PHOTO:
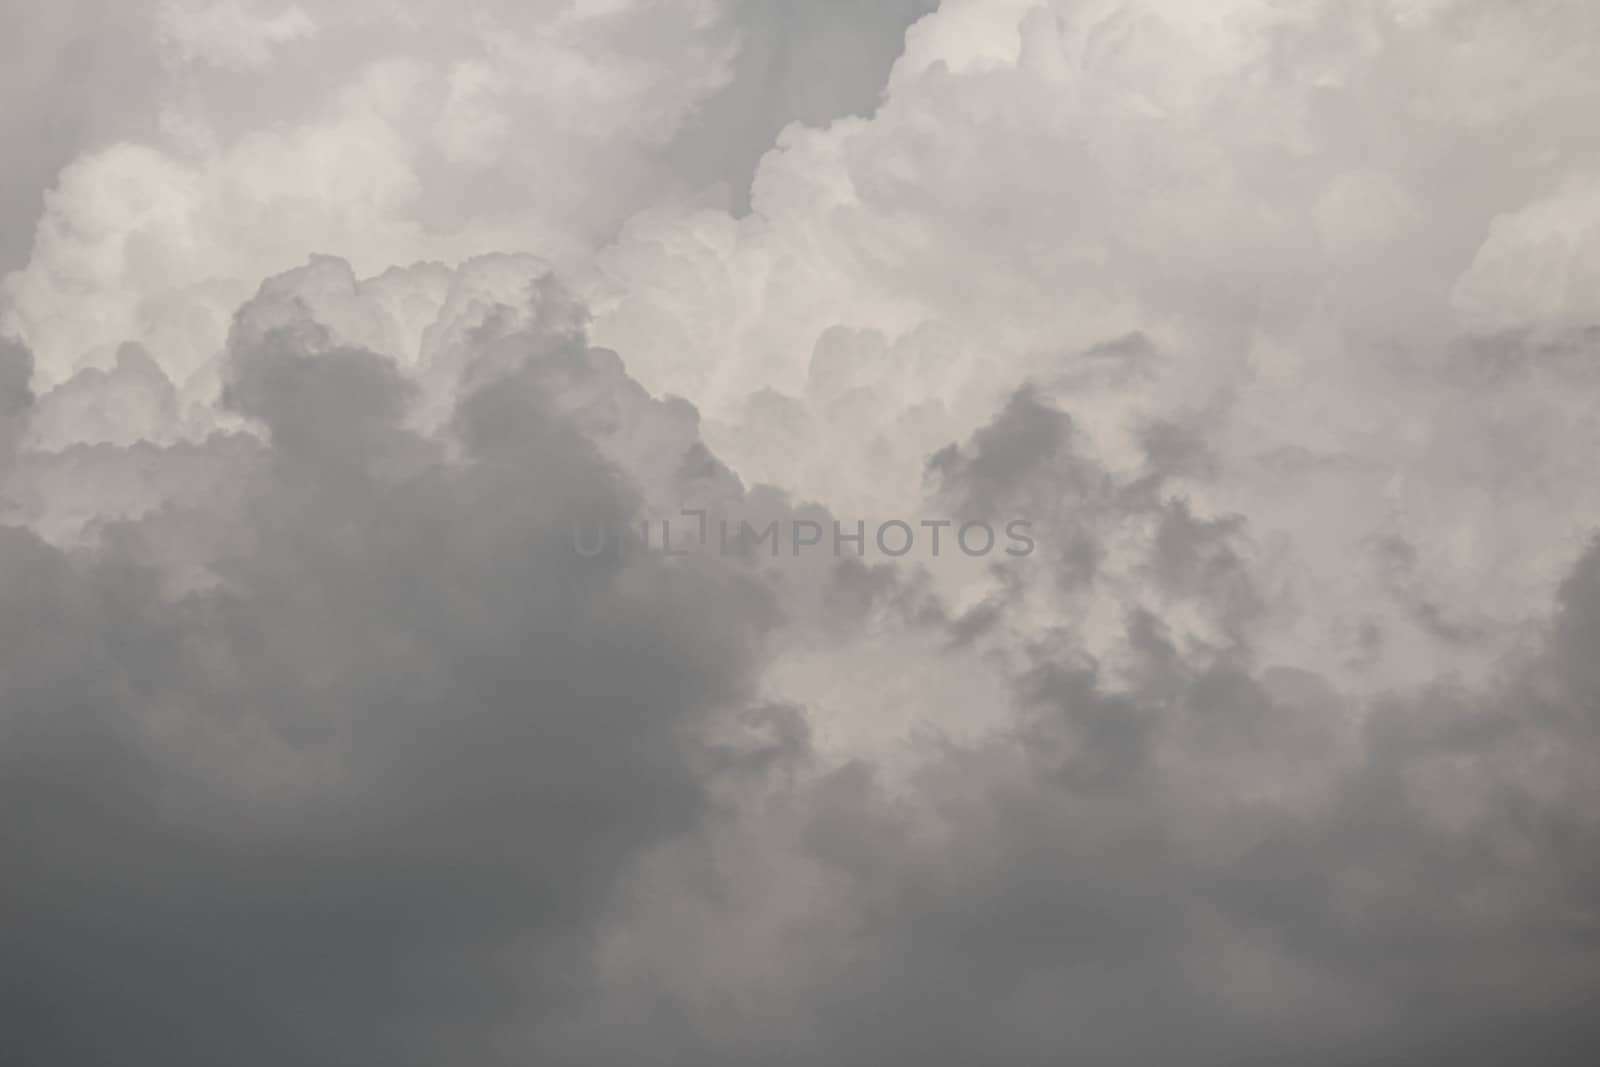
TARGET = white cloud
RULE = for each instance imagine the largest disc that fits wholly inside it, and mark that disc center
(229, 33)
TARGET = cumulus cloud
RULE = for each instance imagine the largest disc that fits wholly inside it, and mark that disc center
(325, 740)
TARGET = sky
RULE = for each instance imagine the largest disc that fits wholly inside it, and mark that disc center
(799, 532)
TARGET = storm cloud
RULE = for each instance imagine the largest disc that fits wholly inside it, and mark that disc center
(324, 742)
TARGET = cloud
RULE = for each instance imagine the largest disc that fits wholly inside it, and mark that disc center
(231, 35)
(1235, 217)
(322, 740)
(259, 133)
(76, 73)
(376, 139)
(1174, 856)
(385, 770)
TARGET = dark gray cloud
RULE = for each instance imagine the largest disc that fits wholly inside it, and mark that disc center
(1027, 436)
(364, 797)
(16, 371)
(16, 402)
